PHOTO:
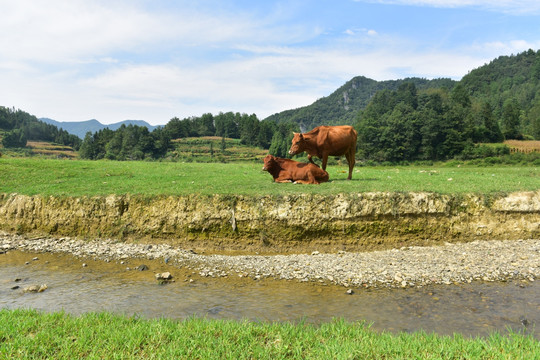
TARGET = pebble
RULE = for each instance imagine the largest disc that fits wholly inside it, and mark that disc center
(449, 263)
(164, 276)
(35, 288)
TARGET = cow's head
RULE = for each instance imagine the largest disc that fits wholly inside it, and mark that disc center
(298, 144)
(269, 161)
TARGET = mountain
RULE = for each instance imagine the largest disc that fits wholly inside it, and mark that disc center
(342, 106)
(512, 81)
(80, 128)
(509, 81)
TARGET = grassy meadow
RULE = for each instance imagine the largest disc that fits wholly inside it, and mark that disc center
(31, 334)
(26, 334)
(33, 176)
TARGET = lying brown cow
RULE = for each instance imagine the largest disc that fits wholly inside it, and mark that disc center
(324, 141)
(286, 170)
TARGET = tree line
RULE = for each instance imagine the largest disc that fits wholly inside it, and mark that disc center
(137, 143)
(514, 80)
(436, 124)
(402, 120)
(130, 142)
(397, 125)
(20, 126)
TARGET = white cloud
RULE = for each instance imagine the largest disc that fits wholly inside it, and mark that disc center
(61, 30)
(115, 60)
(510, 47)
(264, 84)
(525, 7)
(361, 32)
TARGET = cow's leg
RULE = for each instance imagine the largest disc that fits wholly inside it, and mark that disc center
(309, 157)
(305, 182)
(351, 160)
(311, 178)
(324, 161)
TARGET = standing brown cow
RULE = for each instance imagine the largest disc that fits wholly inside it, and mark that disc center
(324, 141)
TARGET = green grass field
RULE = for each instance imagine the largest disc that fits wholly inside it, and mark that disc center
(33, 176)
(28, 334)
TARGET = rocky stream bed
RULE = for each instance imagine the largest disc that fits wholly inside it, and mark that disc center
(411, 266)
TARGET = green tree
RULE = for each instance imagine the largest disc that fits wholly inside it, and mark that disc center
(461, 96)
(249, 127)
(206, 125)
(16, 138)
(177, 128)
(277, 145)
(266, 132)
(510, 119)
(223, 144)
(114, 146)
(161, 142)
(88, 148)
(492, 132)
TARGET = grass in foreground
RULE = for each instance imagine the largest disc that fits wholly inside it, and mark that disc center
(33, 176)
(31, 334)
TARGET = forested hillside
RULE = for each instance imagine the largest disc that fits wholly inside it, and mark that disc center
(80, 128)
(399, 120)
(510, 84)
(137, 143)
(407, 124)
(19, 127)
(342, 106)
(500, 100)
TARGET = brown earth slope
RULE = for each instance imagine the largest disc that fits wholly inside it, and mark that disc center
(279, 224)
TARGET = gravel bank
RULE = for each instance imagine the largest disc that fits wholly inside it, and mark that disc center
(405, 267)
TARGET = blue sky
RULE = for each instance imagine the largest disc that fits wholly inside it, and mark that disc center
(112, 60)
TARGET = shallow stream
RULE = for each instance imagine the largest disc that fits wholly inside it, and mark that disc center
(82, 285)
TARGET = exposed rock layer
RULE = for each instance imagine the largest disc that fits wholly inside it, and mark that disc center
(357, 221)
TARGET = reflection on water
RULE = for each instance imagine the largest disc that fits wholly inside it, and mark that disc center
(471, 309)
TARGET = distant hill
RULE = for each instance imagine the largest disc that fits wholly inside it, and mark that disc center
(513, 79)
(18, 127)
(506, 80)
(342, 106)
(80, 128)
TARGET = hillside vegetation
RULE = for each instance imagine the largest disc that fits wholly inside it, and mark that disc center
(80, 128)
(342, 106)
(17, 127)
(398, 120)
(214, 148)
(511, 82)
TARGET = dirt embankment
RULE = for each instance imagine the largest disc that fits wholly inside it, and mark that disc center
(270, 224)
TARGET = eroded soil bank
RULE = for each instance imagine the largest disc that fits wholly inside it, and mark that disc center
(279, 224)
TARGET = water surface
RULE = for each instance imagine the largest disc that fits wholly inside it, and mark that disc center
(471, 309)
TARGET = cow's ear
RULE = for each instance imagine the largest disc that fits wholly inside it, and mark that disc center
(301, 136)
